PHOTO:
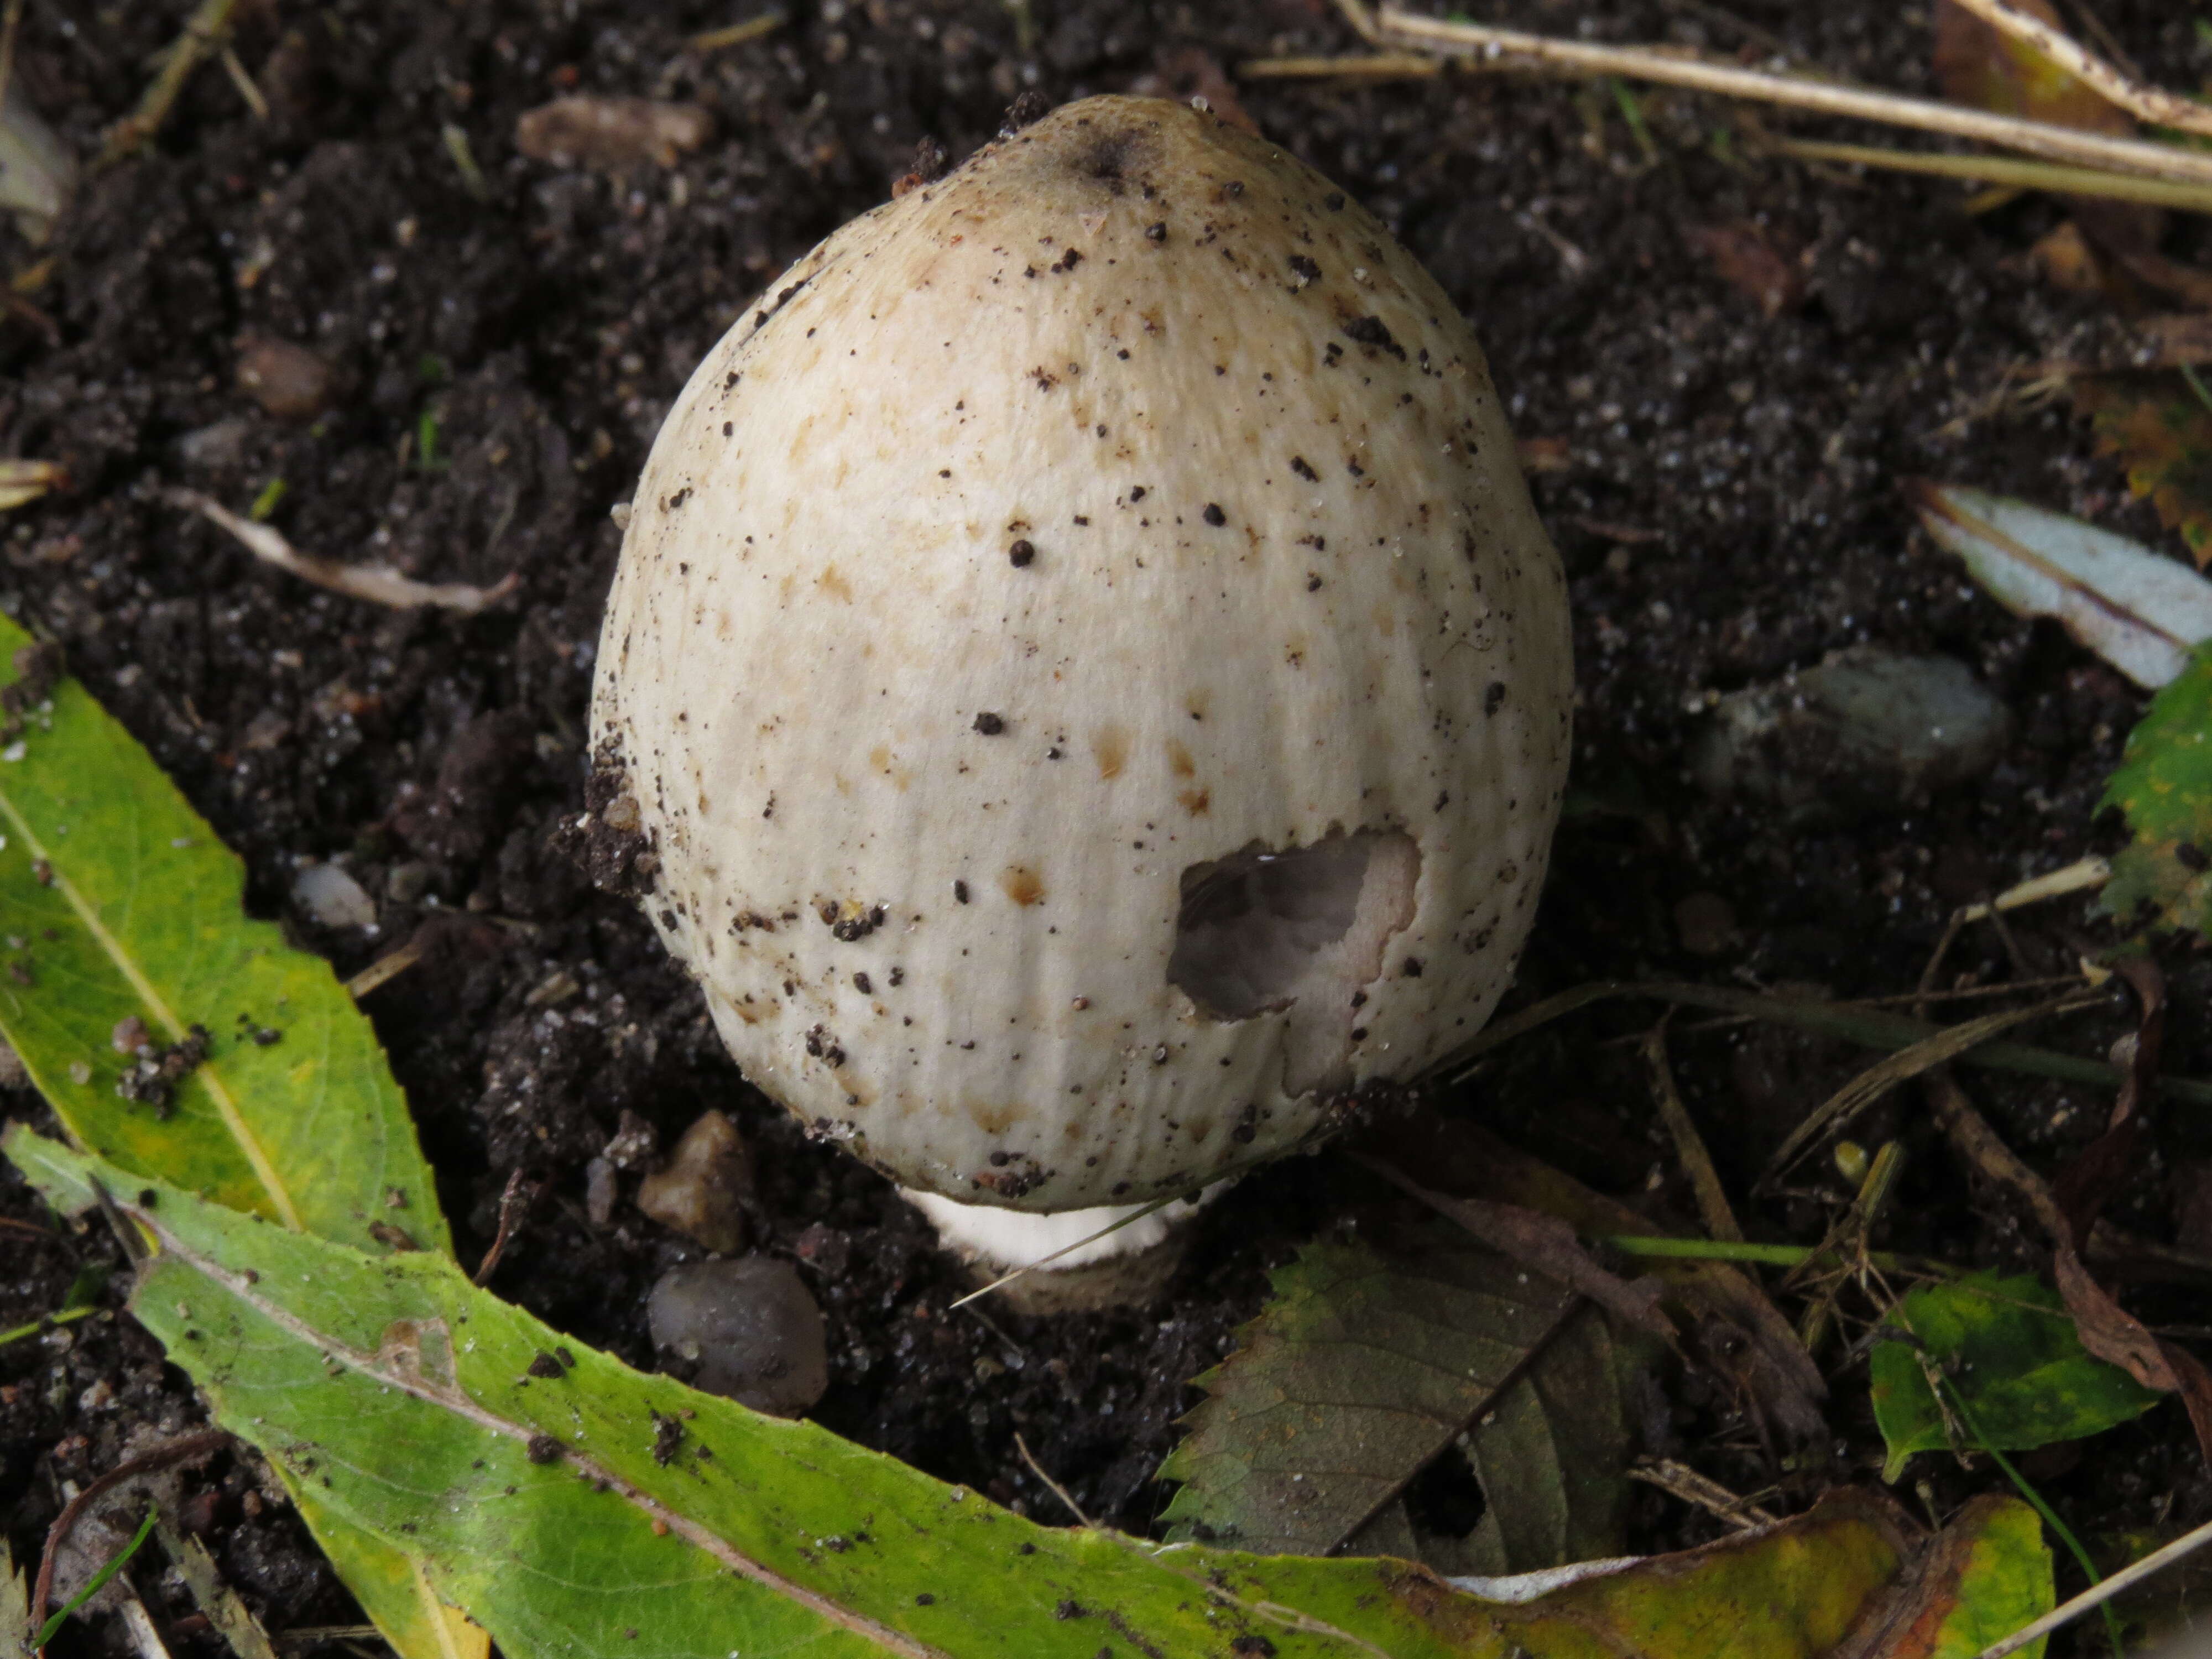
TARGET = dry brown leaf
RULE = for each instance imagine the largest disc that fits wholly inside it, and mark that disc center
(2161, 432)
(1749, 262)
(1976, 65)
(2108, 1330)
(613, 134)
(1734, 1331)
(1543, 1242)
(2063, 258)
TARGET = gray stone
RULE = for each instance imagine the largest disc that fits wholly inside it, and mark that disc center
(747, 1329)
(1866, 730)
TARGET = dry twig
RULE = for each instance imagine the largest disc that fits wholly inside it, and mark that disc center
(201, 34)
(1052, 1485)
(1515, 49)
(380, 584)
(513, 1201)
(2101, 1592)
(1689, 1146)
(2009, 171)
(10, 21)
(1702, 1491)
(737, 34)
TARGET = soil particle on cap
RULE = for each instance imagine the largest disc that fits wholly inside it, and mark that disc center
(1371, 330)
(610, 842)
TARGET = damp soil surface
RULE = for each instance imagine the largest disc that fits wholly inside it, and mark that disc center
(496, 337)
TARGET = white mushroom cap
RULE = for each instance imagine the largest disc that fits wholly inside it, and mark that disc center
(1088, 669)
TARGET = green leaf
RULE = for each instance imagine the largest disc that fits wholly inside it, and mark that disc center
(1364, 1366)
(565, 1513)
(2163, 784)
(118, 902)
(2009, 1348)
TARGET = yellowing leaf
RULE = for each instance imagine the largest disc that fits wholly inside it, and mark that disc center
(121, 919)
(1979, 66)
(566, 1513)
(2160, 432)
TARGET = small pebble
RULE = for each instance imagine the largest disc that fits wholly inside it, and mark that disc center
(635, 1144)
(289, 381)
(747, 1329)
(332, 898)
(599, 1191)
(216, 447)
(701, 1193)
(403, 883)
(1866, 730)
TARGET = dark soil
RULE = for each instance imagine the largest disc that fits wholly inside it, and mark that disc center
(1723, 483)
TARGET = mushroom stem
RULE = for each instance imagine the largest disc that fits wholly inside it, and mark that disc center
(1130, 1264)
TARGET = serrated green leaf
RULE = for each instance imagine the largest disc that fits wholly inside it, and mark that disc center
(2010, 1349)
(402, 1396)
(1364, 1366)
(2164, 785)
(117, 901)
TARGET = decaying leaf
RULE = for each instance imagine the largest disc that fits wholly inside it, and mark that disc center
(1729, 1322)
(1745, 256)
(1979, 66)
(2106, 1329)
(2164, 785)
(2009, 1348)
(1987, 1575)
(1366, 1365)
(567, 1512)
(613, 134)
(2160, 432)
(2140, 610)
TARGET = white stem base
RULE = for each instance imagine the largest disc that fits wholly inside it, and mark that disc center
(1003, 1240)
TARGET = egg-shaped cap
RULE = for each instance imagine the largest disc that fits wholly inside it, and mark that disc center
(1085, 683)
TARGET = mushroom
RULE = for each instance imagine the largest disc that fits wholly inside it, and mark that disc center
(1085, 690)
